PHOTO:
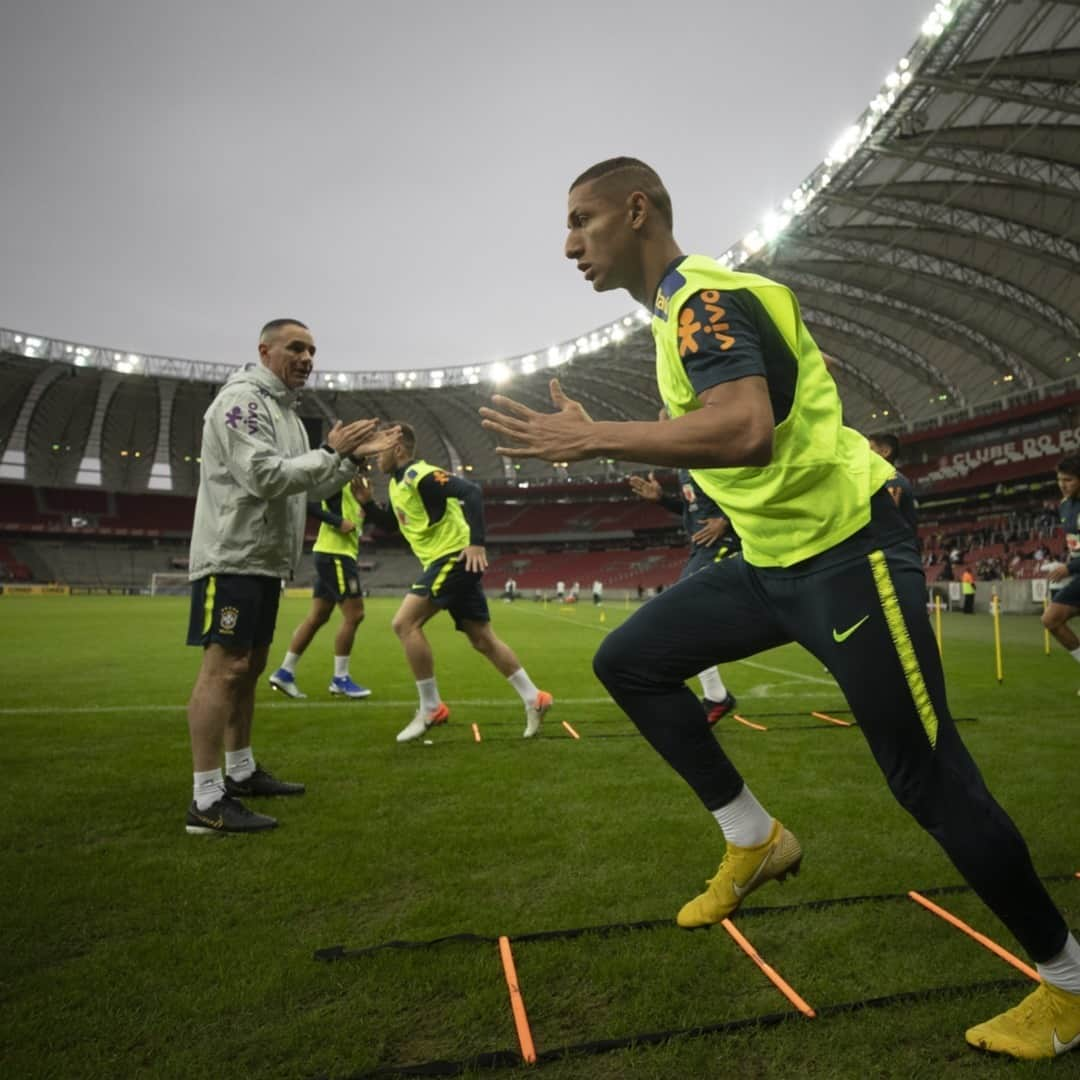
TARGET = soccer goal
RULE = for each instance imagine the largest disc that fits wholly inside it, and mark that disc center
(171, 584)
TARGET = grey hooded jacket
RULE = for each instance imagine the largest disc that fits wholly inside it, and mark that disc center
(257, 474)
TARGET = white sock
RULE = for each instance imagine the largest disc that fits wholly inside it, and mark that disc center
(712, 685)
(290, 662)
(1063, 971)
(341, 667)
(429, 693)
(1075, 654)
(744, 821)
(239, 764)
(208, 788)
(525, 687)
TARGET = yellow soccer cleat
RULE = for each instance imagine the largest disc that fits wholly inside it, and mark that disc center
(741, 872)
(1046, 1023)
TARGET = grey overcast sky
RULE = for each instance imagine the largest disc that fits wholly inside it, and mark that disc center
(172, 174)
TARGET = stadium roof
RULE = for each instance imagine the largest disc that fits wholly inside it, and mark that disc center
(935, 253)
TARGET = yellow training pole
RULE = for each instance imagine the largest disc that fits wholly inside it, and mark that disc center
(995, 606)
(1046, 633)
(937, 623)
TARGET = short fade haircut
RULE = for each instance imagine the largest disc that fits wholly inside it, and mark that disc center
(889, 440)
(277, 324)
(408, 435)
(623, 175)
(1070, 465)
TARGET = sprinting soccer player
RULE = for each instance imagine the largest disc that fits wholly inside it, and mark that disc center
(337, 582)
(898, 486)
(711, 539)
(828, 562)
(1065, 602)
(248, 534)
(442, 519)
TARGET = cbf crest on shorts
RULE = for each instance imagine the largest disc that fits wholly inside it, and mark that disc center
(227, 623)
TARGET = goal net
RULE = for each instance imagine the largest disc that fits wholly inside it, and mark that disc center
(172, 584)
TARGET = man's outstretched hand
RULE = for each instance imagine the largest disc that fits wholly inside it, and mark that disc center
(648, 489)
(564, 435)
(360, 438)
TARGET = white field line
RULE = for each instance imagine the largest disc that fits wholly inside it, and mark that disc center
(410, 703)
(749, 663)
(481, 703)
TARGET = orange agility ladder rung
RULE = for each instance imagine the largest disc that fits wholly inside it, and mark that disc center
(770, 972)
(517, 1003)
(982, 939)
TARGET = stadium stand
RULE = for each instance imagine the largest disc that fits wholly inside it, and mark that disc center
(934, 255)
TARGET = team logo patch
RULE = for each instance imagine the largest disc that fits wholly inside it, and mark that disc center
(410, 475)
(354, 585)
(235, 417)
(227, 622)
(441, 477)
(709, 318)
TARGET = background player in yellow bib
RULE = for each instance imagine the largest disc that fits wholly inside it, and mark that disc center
(442, 519)
(337, 581)
(828, 562)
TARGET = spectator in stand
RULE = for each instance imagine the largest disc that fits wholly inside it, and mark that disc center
(1065, 601)
(248, 534)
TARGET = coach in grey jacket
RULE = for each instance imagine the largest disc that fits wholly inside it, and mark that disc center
(257, 474)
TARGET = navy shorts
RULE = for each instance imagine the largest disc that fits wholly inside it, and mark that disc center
(235, 610)
(1069, 595)
(336, 578)
(448, 585)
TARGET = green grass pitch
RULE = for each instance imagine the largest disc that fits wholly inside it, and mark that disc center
(132, 949)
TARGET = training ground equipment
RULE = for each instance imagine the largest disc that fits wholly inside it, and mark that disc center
(172, 584)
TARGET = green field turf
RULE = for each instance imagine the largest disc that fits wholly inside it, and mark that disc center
(133, 949)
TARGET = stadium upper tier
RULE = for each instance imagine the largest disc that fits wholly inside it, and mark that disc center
(935, 252)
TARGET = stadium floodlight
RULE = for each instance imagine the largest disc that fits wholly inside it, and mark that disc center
(498, 373)
(773, 224)
(844, 146)
(753, 242)
(528, 364)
